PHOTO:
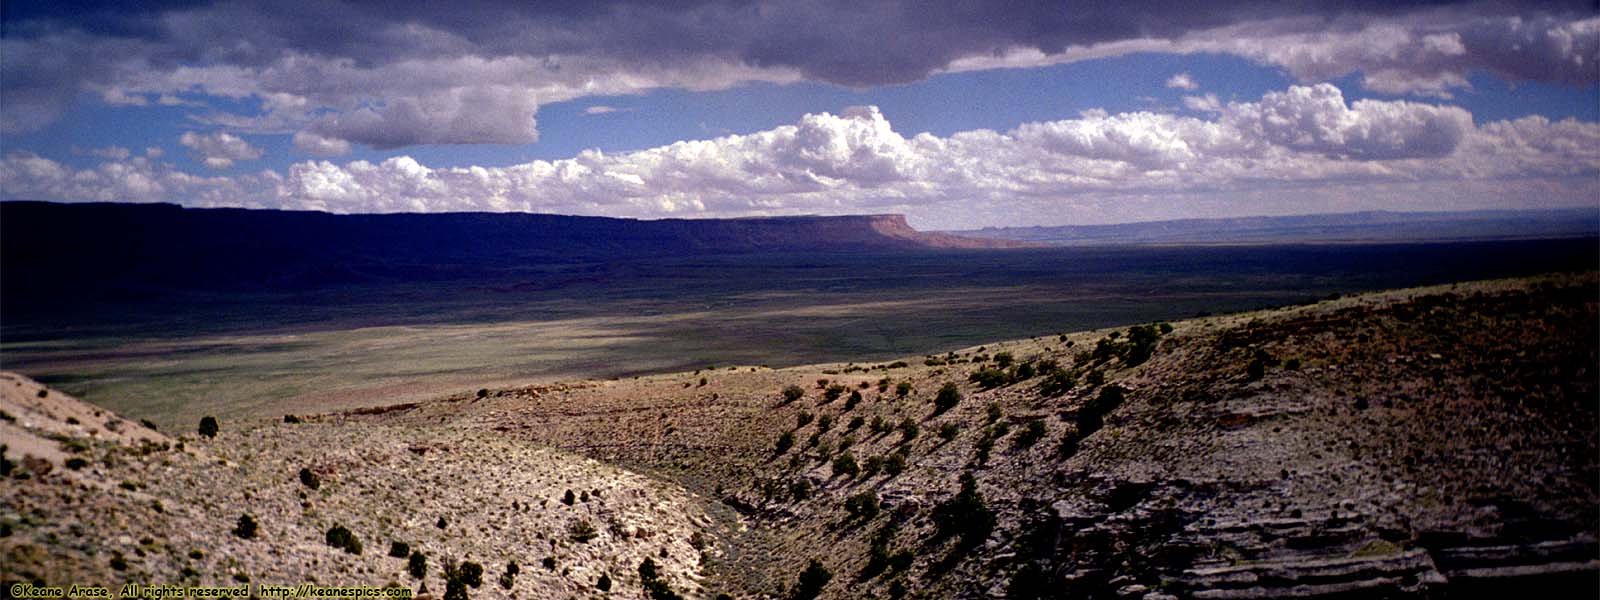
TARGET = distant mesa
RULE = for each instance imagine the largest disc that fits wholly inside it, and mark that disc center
(165, 246)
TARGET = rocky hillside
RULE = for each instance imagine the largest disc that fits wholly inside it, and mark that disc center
(1417, 443)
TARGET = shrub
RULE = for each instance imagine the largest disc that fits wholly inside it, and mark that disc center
(417, 565)
(785, 442)
(1058, 382)
(792, 393)
(895, 464)
(803, 419)
(309, 479)
(549, 563)
(880, 426)
(1031, 433)
(949, 396)
(908, 430)
(992, 412)
(470, 573)
(1068, 446)
(341, 538)
(569, 498)
(871, 465)
(981, 449)
(834, 392)
(862, 506)
(825, 422)
(291, 419)
(1023, 372)
(399, 549)
(811, 581)
(854, 399)
(246, 528)
(845, 465)
(1095, 378)
(949, 431)
(148, 424)
(965, 516)
(902, 389)
(208, 426)
(800, 490)
(822, 384)
(441, 523)
(76, 463)
(654, 586)
(989, 378)
(855, 423)
(581, 532)
(1141, 344)
(1003, 359)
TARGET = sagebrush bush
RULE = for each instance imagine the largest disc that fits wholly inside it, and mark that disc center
(246, 528)
(845, 465)
(785, 442)
(340, 537)
(948, 397)
(811, 581)
(792, 393)
(208, 426)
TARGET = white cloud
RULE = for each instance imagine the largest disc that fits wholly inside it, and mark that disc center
(1182, 81)
(321, 146)
(218, 150)
(1207, 103)
(599, 109)
(1302, 149)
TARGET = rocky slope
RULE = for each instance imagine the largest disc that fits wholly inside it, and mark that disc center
(1419, 443)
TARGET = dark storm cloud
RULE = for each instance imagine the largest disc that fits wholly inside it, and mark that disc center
(366, 73)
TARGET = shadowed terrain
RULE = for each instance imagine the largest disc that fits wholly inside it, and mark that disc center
(1410, 443)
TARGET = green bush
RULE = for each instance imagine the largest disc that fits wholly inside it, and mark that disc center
(862, 506)
(845, 465)
(949, 431)
(824, 422)
(989, 378)
(895, 464)
(902, 389)
(309, 479)
(871, 466)
(949, 396)
(803, 419)
(1031, 433)
(417, 565)
(1058, 382)
(811, 581)
(792, 393)
(339, 537)
(908, 430)
(246, 528)
(208, 426)
(1023, 372)
(785, 442)
(854, 399)
(800, 490)
(581, 532)
(399, 549)
(834, 392)
(76, 463)
(1003, 359)
(855, 423)
(965, 516)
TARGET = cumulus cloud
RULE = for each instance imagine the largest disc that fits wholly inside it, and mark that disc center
(1182, 81)
(218, 150)
(1304, 147)
(432, 73)
(319, 145)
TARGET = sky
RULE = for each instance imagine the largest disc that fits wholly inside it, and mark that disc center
(957, 114)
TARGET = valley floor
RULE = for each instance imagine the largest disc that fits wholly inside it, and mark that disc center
(1418, 442)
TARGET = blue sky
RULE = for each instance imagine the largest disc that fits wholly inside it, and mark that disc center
(1270, 116)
